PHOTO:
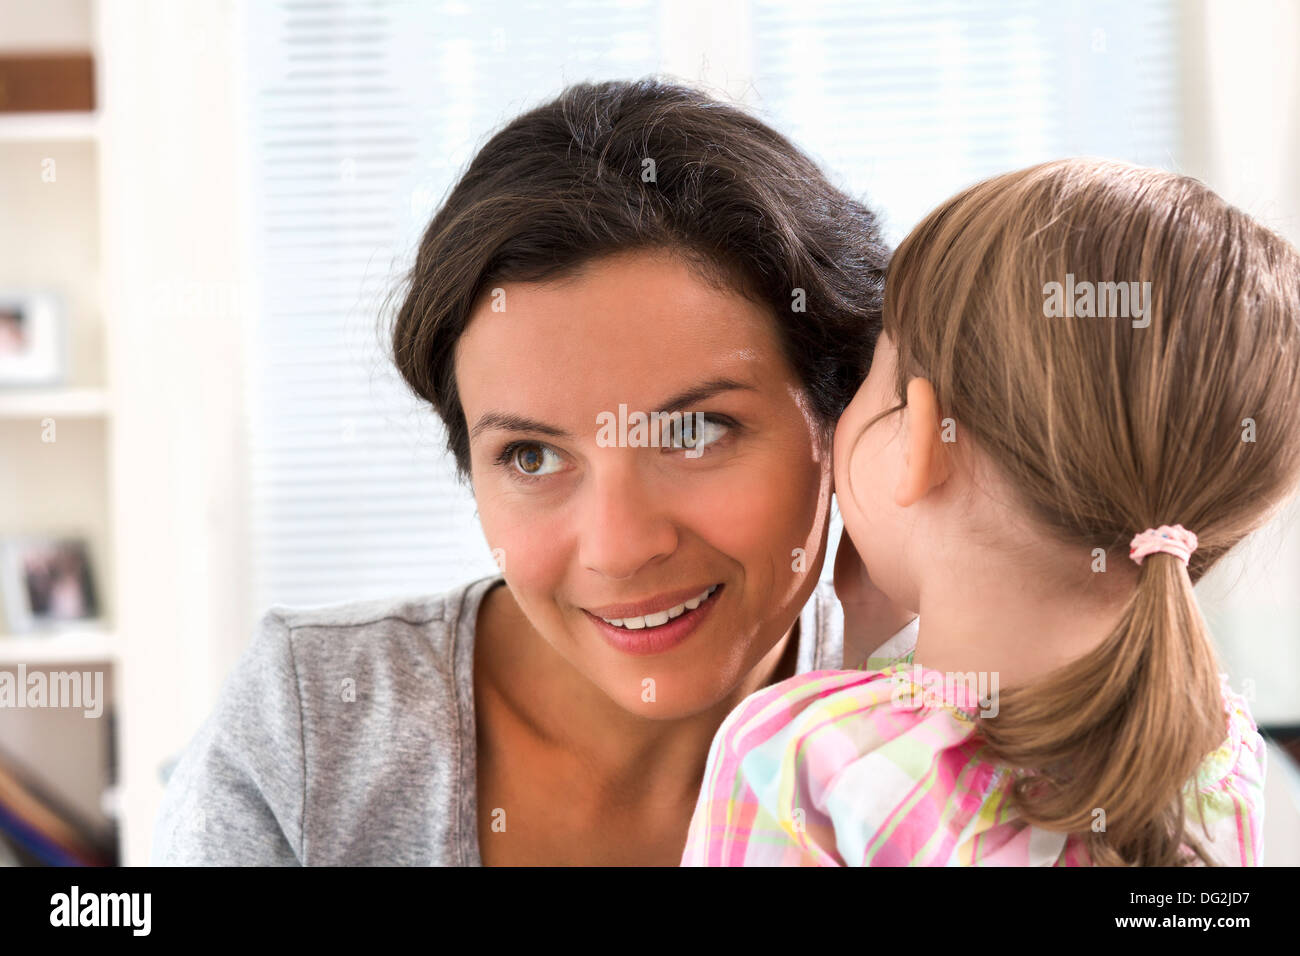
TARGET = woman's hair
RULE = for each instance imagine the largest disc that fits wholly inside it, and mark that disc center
(1105, 429)
(621, 166)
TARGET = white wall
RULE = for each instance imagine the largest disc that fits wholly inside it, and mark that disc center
(171, 245)
(1243, 93)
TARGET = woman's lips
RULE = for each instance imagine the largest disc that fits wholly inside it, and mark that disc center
(660, 602)
(656, 640)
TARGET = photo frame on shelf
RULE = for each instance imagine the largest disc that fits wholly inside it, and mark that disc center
(47, 584)
(33, 337)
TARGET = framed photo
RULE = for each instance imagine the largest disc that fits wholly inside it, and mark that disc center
(46, 584)
(32, 338)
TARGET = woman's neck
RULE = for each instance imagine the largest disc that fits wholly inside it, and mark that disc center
(619, 752)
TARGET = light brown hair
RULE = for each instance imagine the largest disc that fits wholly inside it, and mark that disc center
(1104, 430)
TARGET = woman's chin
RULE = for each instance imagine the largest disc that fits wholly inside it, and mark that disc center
(679, 689)
(671, 701)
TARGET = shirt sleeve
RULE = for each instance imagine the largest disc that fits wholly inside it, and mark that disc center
(236, 796)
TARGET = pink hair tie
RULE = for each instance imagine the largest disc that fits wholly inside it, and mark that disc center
(1171, 539)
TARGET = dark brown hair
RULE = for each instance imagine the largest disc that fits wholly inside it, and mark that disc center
(569, 182)
(1104, 430)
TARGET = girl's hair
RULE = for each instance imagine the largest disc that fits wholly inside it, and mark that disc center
(620, 166)
(1105, 429)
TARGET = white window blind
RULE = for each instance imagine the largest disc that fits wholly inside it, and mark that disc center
(360, 117)
(910, 102)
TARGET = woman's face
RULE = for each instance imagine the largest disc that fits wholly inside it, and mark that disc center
(588, 519)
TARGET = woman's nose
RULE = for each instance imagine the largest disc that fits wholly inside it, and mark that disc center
(623, 520)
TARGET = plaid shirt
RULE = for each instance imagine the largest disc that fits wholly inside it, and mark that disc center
(863, 768)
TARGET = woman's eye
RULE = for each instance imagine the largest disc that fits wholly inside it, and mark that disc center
(532, 459)
(696, 433)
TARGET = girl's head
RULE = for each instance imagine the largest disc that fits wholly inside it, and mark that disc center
(1099, 349)
(620, 247)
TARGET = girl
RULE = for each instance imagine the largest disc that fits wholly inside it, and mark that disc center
(1086, 392)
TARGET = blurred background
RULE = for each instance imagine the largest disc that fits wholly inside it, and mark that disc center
(204, 204)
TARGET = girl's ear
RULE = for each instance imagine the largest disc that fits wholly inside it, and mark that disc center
(926, 463)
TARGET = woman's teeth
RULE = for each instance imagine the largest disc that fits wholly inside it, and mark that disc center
(661, 617)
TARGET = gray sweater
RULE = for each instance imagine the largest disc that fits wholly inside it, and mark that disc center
(345, 736)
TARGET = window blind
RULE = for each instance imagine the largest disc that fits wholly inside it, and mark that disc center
(360, 116)
(910, 102)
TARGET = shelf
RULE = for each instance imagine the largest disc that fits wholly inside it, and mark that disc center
(91, 646)
(48, 127)
(68, 402)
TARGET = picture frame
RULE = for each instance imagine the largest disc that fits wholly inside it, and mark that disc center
(47, 584)
(33, 338)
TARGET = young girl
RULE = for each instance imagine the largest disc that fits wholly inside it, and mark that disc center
(1086, 392)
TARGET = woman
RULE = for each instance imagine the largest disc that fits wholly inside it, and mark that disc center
(625, 250)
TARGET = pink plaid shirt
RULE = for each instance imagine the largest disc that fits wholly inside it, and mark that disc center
(863, 768)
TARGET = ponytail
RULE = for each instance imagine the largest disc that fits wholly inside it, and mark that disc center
(1106, 744)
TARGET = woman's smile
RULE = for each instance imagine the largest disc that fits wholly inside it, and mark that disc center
(655, 625)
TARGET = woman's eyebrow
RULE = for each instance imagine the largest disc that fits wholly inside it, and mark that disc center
(698, 393)
(514, 423)
(506, 421)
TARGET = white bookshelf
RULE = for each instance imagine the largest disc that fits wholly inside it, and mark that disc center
(52, 240)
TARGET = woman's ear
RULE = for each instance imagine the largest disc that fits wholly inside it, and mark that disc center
(926, 463)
